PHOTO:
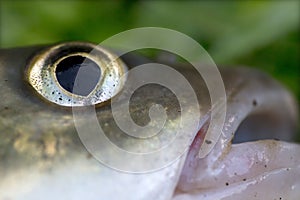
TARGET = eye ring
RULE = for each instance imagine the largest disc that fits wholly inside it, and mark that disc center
(76, 74)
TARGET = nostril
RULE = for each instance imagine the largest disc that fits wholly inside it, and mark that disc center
(78, 74)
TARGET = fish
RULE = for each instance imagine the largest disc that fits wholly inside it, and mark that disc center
(42, 156)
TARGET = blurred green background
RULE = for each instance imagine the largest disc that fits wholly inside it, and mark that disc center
(262, 34)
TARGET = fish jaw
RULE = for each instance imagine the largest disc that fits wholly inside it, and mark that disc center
(260, 169)
(254, 170)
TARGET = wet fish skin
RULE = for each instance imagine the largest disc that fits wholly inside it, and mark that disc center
(38, 140)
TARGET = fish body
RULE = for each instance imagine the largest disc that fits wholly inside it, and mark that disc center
(43, 157)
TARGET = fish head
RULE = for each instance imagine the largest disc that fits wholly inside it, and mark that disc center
(49, 150)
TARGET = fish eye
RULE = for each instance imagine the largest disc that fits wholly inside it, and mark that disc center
(76, 74)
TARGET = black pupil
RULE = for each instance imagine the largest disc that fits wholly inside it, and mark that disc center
(78, 75)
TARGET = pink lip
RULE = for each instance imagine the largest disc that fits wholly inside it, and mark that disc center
(258, 167)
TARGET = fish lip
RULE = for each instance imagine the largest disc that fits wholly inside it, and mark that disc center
(194, 148)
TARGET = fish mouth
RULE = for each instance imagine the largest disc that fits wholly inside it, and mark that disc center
(251, 158)
(255, 156)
